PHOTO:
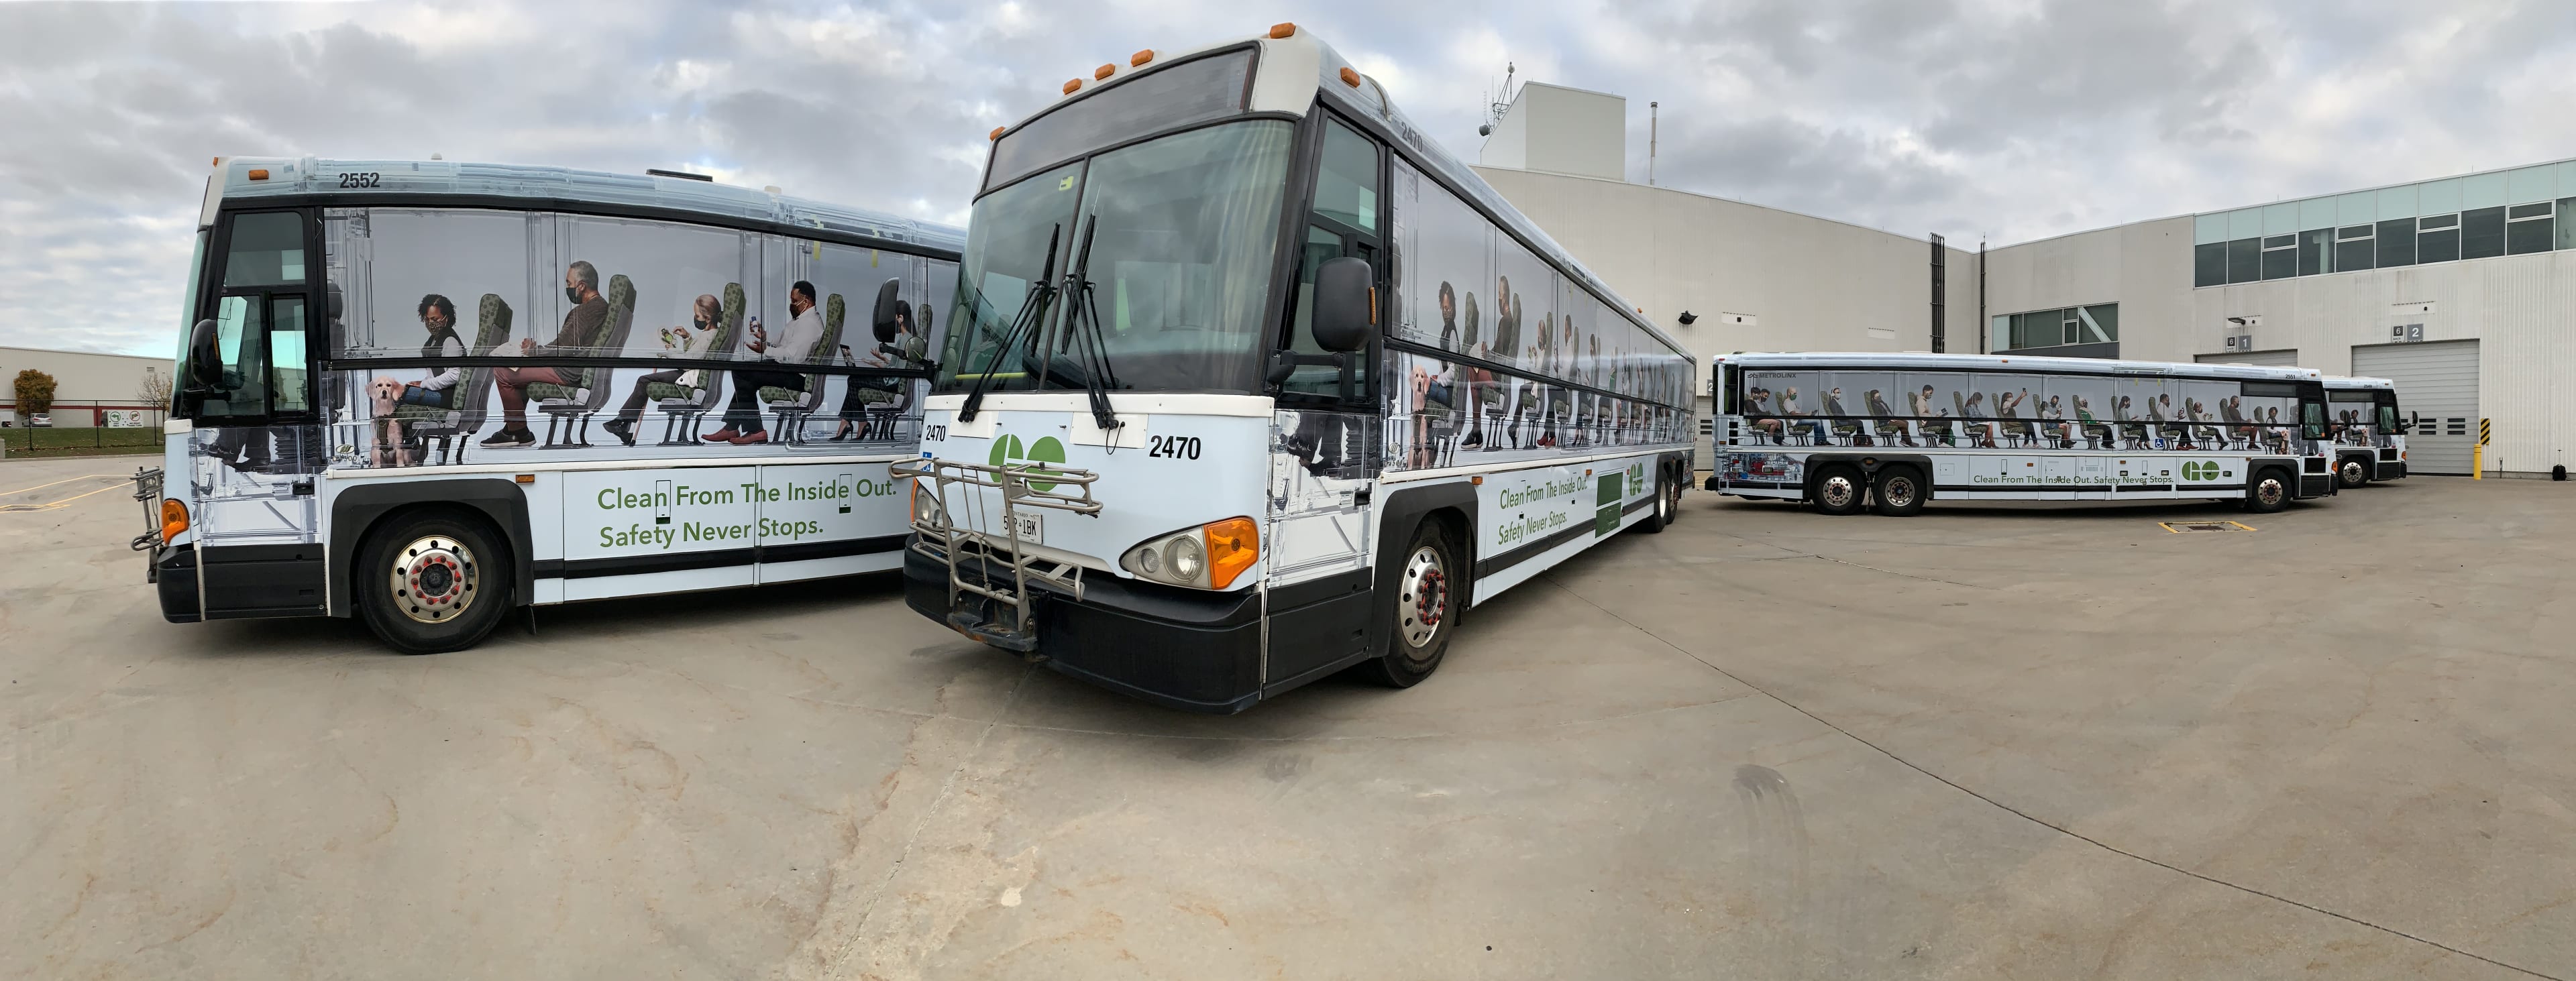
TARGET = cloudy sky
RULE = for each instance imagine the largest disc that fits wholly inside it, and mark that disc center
(1974, 118)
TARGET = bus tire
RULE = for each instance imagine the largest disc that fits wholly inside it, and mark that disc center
(1668, 496)
(1899, 491)
(1838, 489)
(2269, 491)
(432, 581)
(2352, 471)
(1425, 610)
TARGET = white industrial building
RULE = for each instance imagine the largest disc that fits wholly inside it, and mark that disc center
(90, 389)
(2462, 289)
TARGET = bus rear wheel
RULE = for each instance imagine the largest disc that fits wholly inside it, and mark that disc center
(1899, 492)
(1668, 503)
(432, 581)
(1837, 490)
(1424, 613)
(2352, 472)
(2269, 492)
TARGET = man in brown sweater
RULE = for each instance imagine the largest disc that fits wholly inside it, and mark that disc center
(581, 330)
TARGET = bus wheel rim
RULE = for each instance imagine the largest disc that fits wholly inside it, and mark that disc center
(1424, 603)
(1838, 490)
(434, 579)
(2270, 491)
(1899, 491)
(2351, 472)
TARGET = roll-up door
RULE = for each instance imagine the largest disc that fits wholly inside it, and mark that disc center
(2287, 357)
(2437, 396)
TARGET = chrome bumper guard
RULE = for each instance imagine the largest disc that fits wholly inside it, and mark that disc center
(984, 619)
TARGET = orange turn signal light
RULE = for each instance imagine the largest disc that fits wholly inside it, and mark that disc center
(1278, 31)
(1072, 85)
(174, 518)
(1102, 72)
(1350, 78)
(1139, 59)
(1232, 546)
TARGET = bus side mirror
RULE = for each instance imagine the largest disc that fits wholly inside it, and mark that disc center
(205, 362)
(1344, 309)
(882, 320)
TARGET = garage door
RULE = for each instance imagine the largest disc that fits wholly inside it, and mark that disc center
(2437, 393)
(2287, 357)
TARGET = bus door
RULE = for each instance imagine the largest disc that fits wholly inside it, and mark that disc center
(249, 391)
(1328, 438)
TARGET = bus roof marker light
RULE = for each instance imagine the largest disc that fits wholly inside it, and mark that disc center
(1103, 71)
(1140, 59)
(1072, 85)
(1349, 77)
(996, 133)
(1281, 30)
(258, 173)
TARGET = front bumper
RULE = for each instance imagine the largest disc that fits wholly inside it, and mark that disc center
(2316, 485)
(2390, 470)
(1179, 648)
(174, 576)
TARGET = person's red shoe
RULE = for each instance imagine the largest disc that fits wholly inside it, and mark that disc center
(725, 435)
(758, 437)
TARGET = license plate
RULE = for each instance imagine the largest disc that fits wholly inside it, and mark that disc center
(1028, 528)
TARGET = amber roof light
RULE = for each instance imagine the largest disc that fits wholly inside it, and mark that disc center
(1139, 59)
(1102, 72)
(997, 133)
(1278, 31)
(1350, 78)
(1072, 85)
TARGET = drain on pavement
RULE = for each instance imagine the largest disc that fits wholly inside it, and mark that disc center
(2180, 527)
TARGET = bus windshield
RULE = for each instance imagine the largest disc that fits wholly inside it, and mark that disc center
(1181, 230)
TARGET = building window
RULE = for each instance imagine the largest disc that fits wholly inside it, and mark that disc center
(2526, 228)
(2097, 323)
(2316, 251)
(2481, 233)
(2280, 257)
(2437, 239)
(2567, 223)
(2209, 261)
(2396, 242)
(2352, 248)
(2245, 260)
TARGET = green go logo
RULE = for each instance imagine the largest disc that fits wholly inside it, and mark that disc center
(1007, 450)
(2200, 470)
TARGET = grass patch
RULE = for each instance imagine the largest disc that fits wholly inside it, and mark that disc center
(87, 441)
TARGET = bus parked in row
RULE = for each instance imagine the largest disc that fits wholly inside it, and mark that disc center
(425, 393)
(1250, 382)
(2369, 436)
(1893, 431)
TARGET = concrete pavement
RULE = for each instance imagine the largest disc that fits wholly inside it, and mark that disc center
(1979, 743)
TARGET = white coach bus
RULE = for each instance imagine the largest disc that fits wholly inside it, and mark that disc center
(2369, 436)
(1250, 382)
(425, 393)
(1892, 431)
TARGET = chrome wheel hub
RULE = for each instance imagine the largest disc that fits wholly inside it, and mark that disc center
(2270, 491)
(1839, 491)
(1424, 603)
(2352, 471)
(433, 579)
(1899, 492)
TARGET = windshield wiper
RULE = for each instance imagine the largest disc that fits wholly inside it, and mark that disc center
(1033, 310)
(1082, 331)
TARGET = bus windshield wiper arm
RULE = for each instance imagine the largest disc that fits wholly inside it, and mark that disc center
(1082, 329)
(1025, 323)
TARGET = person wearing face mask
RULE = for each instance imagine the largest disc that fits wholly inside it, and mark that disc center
(743, 425)
(703, 317)
(581, 331)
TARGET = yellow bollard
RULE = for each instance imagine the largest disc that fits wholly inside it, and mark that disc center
(2478, 462)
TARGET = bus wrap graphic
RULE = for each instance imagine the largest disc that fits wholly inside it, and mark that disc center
(1008, 450)
(1605, 515)
(2204, 470)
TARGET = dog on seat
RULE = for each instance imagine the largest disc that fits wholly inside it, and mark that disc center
(386, 393)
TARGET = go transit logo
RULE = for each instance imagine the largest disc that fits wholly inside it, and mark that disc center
(1007, 450)
(2202, 470)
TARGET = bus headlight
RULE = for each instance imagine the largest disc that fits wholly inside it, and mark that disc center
(925, 507)
(1210, 556)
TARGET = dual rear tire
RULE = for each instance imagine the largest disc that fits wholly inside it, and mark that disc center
(1840, 488)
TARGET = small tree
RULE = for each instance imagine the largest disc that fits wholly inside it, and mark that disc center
(154, 391)
(35, 391)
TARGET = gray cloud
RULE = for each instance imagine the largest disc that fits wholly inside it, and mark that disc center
(1968, 117)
